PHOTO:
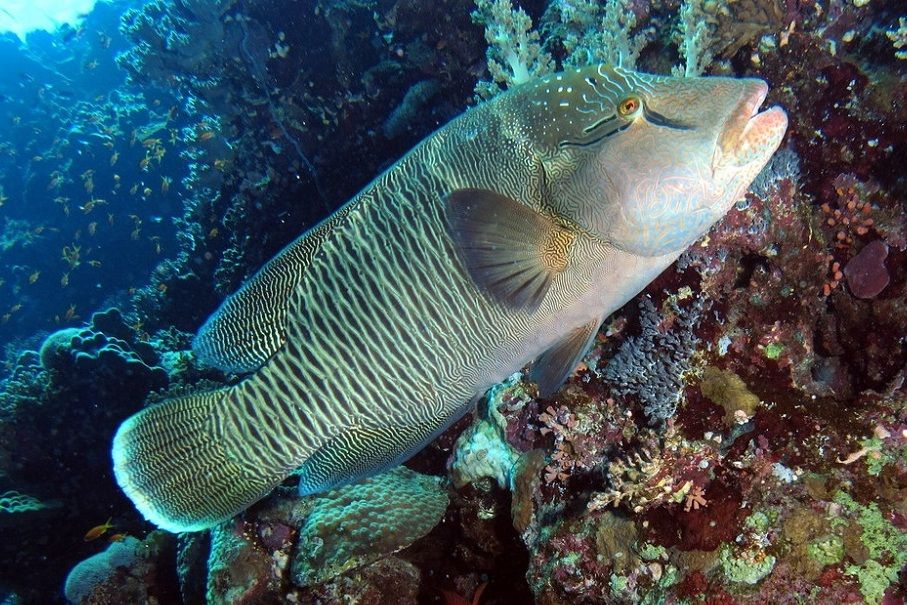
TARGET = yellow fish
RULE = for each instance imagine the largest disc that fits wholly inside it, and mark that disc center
(98, 530)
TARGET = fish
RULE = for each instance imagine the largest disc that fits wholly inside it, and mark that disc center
(118, 537)
(34, 277)
(505, 238)
(98, 530)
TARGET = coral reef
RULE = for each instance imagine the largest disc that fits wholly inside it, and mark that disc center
(359, 524)
(107, 346)
(652, 366)
(60, 409)
(129, 571)
(738, 434)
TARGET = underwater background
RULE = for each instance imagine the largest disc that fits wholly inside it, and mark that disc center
(738, 433)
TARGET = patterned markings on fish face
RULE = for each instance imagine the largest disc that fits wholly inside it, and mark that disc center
(647, 162)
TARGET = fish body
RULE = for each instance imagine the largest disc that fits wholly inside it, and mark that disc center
(98, 530)
(504, 238)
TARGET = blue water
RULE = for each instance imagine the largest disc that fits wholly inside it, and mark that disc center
(67, 138)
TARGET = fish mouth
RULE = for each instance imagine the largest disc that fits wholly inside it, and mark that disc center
(749, 134)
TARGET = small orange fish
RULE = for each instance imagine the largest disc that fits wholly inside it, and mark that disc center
(205, 135)
(98, 530)
(94, 263)
(119, 537)
(64, 281)
(34, 277)
(70, 315)
(114, 157)
(92, 228)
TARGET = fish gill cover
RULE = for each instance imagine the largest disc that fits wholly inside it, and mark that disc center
(154, 155)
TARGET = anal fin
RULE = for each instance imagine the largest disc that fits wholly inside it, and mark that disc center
(556, 364)
(362, 451)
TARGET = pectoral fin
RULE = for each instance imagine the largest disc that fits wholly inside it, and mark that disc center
(509, 250)
(556, 364)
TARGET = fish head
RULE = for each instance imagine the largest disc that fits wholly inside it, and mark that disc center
(649, 162)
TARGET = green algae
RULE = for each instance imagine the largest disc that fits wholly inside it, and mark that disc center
(745, 568)
(773, 350)
(886, 545)
(827, 550)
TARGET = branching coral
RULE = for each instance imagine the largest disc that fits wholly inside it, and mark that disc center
(593, 32)
(677, 473)
(514, 53)
(898, 37)
(652, 366)
(696, 30)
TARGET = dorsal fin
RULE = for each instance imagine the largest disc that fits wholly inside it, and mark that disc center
(251, 324)
(508, 249)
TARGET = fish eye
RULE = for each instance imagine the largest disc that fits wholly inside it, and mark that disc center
(629, 106)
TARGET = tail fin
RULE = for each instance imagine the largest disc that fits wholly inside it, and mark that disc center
(174, 462)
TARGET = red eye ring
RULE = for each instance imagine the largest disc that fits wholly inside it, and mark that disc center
(629, 106)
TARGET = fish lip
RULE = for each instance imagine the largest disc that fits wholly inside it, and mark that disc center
(739, 119)
(746, 109)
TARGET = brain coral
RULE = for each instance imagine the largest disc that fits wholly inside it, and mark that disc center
(87, 579)
(107, 345)
(358, 524)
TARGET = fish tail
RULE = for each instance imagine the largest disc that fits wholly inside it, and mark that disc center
(184, 464)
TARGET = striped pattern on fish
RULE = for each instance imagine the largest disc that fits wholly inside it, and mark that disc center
(494, 242)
